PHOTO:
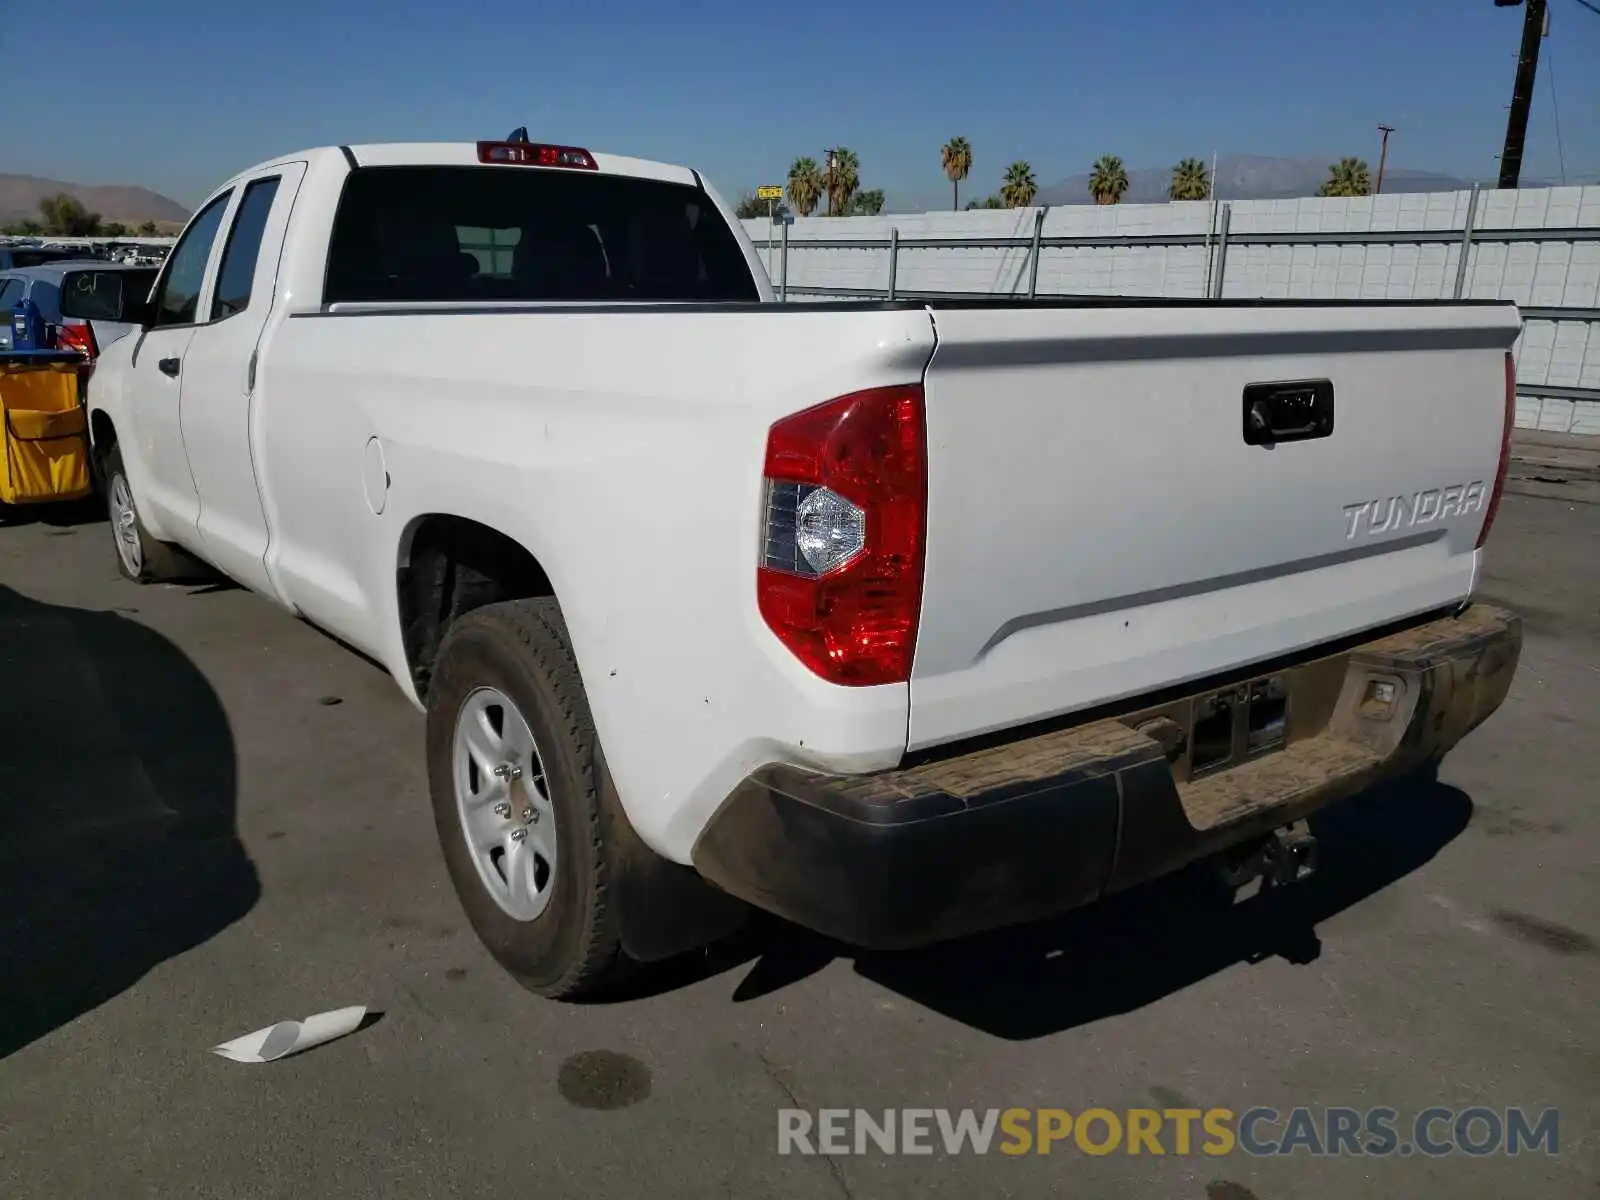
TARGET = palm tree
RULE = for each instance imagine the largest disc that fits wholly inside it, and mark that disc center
(1347, 177)
(805, 185)
(1190, 181)
(956, 159)
(866, 204)
(1018, 188)
(1108, 182)
(842, 179)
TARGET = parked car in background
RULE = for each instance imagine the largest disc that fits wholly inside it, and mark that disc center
(12, 257)
(43, 285)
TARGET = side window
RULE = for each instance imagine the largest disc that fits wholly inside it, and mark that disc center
(177, 298)
(10, 293)
(243, 247)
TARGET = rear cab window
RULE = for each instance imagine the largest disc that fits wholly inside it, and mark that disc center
(490, 233)
(47, 295)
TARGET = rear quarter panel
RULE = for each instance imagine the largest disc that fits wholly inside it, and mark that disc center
(624, 450)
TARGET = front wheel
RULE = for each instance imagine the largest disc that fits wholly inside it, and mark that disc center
(514, 776)
(140, 557)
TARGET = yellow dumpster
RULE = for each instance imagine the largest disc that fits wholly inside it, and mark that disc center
(44, 428)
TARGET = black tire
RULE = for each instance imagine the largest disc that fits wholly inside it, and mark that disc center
(573, 948)
(157, 562)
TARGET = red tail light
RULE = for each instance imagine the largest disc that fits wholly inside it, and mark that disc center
(1505, 450)
(840, 580)
(79, 338)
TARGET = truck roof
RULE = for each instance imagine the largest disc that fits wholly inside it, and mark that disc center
(465, 154)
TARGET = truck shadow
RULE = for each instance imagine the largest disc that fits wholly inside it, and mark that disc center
(117, 797)
(1137, 947)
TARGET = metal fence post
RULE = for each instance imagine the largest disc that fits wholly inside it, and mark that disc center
(783, 267)
(1211, 232)
(1222, 251)
(1466, 243)
(894, 258)
(1033, 254)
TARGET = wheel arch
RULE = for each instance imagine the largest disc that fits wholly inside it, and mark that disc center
(446, 565)
(102, 434)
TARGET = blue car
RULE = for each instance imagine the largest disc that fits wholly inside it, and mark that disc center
(42, 285)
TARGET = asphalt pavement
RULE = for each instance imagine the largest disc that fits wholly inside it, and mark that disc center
(212, 817)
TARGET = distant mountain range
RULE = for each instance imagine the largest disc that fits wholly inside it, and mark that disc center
(1239, 177)
(20, 196)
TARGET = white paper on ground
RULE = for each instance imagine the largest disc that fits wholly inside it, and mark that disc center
(291, 1037)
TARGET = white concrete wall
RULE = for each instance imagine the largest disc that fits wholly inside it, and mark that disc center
(1536, 273)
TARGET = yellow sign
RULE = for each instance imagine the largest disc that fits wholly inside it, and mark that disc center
(769, 192)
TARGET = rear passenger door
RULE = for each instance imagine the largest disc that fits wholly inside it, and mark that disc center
(219, 376)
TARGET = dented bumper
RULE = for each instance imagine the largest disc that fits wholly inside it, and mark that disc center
(1016, 829)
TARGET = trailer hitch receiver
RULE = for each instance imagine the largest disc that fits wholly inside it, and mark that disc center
(1290, 855)
(1284, 856)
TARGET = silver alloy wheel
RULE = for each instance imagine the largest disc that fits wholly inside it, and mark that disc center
(503, 801)
(125, 524)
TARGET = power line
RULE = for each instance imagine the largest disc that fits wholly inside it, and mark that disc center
(1594, 8)
(1555, 111)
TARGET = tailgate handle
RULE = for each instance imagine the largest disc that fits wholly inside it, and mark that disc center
(1295, 411)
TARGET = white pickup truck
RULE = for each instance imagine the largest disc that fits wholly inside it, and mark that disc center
(901, 621)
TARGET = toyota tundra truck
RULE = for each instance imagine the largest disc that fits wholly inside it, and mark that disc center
(900, 621)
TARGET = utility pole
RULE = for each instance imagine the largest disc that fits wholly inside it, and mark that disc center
(1383, 155)
(1533, 28)
(830, 184)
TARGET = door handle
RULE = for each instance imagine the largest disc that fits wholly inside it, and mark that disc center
(168, 366)
(1297, 411)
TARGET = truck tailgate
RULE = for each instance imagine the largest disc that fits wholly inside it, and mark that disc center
(1099, 527)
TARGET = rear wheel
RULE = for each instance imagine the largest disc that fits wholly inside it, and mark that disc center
(140, 557)
(514, 775)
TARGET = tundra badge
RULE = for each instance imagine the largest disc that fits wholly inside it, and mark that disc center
(1420, 508)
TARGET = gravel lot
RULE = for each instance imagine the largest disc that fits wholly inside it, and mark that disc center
(212, 817)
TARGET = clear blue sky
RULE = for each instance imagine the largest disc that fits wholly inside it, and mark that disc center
(176, 95)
